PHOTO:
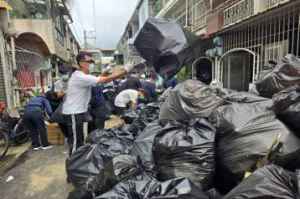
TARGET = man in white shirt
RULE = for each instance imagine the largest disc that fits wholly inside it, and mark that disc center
(128, 96)
(78, 96)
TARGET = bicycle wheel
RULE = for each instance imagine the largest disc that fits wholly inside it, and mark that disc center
(21, 133)
(4, 144)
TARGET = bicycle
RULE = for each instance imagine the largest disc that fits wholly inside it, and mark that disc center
(12, 128)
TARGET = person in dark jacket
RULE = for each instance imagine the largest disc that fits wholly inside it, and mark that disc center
(171, 82)
(133, 82)
(149, 85)
(33, 116)
(97, 109)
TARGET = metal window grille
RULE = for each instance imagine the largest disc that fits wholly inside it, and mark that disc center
(33, 68)
(271, 37)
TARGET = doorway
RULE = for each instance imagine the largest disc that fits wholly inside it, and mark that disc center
(204, 70)
(238, 70)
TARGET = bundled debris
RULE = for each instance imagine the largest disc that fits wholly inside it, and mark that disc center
(120, 168)
(143, 143)
(245, 133)
(186, 150)
(86, 162)
(271, 182)
(279, 76)
(287, 107)
(166, 46)
(188, 100)
(180, 188)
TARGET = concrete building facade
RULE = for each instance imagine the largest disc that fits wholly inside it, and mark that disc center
(39, 38)
(238, 36)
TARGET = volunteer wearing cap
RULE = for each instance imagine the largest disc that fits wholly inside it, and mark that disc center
(149, 85)
(78, 96)
(33, 116)
(58, 92)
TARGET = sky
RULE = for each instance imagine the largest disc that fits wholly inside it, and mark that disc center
(111, 18)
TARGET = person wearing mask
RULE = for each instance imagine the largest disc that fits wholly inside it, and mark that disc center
(150, 86)
(129, 97)
(171, 82)
(78, 96)
(97, 109)
(33, 116)
(133, 82)
(58, 93)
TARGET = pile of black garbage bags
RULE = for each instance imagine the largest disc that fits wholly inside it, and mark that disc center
(199, 142)
(196, 141)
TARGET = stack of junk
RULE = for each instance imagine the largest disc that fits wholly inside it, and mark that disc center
(196, 141)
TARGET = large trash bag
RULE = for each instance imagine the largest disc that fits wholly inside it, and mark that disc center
(120, 168)
(86, 162)
(180, 188)
(191, 99)
(284, 74)
(245, 133)
(117, 140)
(214, 194)
(143, 143)
(186, 150)
(287, 107)
(165, 95)
(244, 97)
(166, 46)
(272, 182)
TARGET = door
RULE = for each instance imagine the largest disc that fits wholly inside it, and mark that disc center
(237, 71)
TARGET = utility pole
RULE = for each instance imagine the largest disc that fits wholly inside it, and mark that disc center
(88, 35)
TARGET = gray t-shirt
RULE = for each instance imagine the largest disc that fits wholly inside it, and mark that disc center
(78, 94)
(60, 85)
(125, 97)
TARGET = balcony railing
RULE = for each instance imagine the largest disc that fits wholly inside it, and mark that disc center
(158, 6)
(239, 11)
(199, 12)
(272, 3)
(216, 3)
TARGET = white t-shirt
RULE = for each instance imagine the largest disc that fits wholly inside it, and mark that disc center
(78, 94)
(60, 85)
(125, 97)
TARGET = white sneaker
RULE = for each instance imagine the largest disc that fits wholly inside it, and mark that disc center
(47, 147)
(37, 148)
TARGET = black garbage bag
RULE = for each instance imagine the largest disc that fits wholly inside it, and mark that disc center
(244, 97)
(165, 95)
(214, 194)
(191, 99)
(186, 149)
(180, 188)
(272, 182)
(166, 46)
(129, 116)
(109, 108)
(287, 107)
(119, 169)
(86, 162)
(143, 143)
(275, 78)
(101, 146)
(245, 133)
(117, 140)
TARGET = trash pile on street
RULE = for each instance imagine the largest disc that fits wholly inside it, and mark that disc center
(197, 141)
(238, 149)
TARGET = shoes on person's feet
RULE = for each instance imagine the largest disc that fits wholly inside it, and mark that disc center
(37, 148)
(47, 147)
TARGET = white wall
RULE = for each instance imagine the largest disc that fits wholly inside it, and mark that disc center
(143, 13)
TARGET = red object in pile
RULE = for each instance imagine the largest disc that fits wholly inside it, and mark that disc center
(2, 106)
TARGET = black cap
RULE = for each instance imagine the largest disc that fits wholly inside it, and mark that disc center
(63, 69)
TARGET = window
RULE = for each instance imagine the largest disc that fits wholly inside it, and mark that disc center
(108, 53)
(59, 24)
